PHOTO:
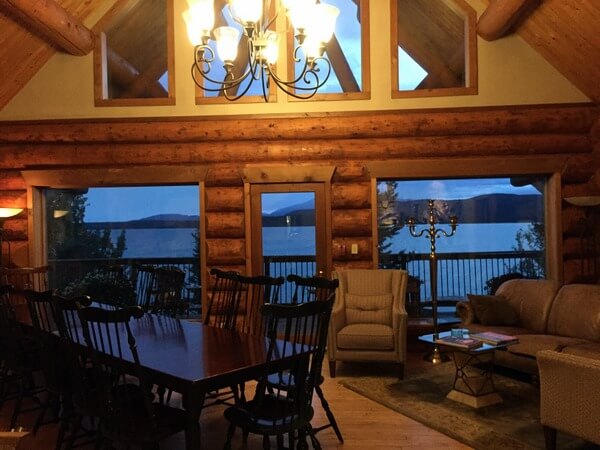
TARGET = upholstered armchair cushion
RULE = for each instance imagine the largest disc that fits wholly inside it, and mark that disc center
(369, 309)
(363, 336)
(493, 310)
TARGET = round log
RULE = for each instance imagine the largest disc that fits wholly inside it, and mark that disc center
(225, 252)
(224, 199)
(226, 175)
(351, 196)
(351, 222)
(225, 225)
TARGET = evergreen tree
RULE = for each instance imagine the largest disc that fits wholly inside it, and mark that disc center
(389, 220)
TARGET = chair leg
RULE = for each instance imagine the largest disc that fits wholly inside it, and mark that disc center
(332, 369)
(329, 414)
(17, 407)
(550, 437)
(230, 433)
(266, 442)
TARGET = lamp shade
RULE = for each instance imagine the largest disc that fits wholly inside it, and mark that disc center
(5, 213)
(227, 42)
(301, 12)
(322, 24)
(246, 11)
(199, 19)
(271, 51)
(587, 200)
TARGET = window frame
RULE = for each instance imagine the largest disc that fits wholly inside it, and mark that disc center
(471, 68)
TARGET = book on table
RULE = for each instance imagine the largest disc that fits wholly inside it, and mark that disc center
(491, 337)
(459, 342)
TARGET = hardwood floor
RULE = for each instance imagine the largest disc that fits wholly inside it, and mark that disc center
(366, 425)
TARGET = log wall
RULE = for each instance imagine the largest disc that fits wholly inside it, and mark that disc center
(566, 134)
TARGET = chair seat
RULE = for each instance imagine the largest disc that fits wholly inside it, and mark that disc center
(366, 336)
(263, 420)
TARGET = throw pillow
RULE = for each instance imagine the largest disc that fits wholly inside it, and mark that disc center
(369, 309)
(493, 310)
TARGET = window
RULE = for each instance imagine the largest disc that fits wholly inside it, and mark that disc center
(434, 48)
(93, 234)
(500, 231)
(347, 51)
(134, 63)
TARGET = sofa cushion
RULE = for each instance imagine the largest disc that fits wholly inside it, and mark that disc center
(589, 350)
(531, 299)
(575, 312)
(369, 309)
(530, 344)
(366, 337)
(493, 310)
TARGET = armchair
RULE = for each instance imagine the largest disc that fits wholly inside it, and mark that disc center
(368, 321)
(570, 399)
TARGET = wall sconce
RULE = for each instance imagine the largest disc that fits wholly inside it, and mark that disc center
(588, 239)
(6, 213)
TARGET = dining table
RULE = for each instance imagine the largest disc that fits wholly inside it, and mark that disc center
(193, 359)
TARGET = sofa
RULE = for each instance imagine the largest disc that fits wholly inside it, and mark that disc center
(543, 315)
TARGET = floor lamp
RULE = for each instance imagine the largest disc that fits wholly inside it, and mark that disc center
(5, 213)
(432, 233)
(588, 237)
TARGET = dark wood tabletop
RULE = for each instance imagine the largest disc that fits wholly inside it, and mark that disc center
(194, 359)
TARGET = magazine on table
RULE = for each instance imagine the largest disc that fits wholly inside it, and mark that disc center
(460, 342)
(494, 338)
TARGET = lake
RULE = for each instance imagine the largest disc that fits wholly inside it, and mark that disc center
(179, 242)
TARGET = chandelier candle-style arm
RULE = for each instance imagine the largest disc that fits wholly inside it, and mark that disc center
(314, 24)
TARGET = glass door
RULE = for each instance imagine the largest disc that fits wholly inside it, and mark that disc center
(288, 230)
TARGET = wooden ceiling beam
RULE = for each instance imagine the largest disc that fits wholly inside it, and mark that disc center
(48, 18)
(501, 16)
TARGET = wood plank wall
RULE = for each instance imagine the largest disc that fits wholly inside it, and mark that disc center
(567, 134)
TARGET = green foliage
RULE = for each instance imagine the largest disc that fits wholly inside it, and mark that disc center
(389, 223)
(533, 238)
(103, 287)
(68, 237)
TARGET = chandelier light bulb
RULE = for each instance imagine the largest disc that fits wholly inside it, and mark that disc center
(199, 20)
(246, 11)
(322, 23)
(227, 42)
(271, 51)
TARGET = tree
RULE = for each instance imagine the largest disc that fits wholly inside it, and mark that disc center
(389, 221)
(531, 239)
(68, 237)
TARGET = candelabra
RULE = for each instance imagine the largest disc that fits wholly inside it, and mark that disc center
(432, 233)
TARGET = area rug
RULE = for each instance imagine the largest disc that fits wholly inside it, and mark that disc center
(514, 424)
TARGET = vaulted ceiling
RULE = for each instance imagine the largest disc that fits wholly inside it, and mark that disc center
(562, 31)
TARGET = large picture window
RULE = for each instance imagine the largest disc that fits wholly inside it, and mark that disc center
(98, 239)
(500, 233)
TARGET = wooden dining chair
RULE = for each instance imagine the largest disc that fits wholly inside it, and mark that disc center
(299, 332)
(21, 356)
(223, 306)
(127, 411)
(255, 292)
(143, 280)
(167, 298)
(317, 289)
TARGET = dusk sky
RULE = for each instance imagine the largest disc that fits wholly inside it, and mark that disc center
(130, 203)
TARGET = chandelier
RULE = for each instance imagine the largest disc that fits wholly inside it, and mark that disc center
(313, 24)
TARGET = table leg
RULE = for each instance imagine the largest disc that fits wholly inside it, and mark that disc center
(193, 403)
(473, 380)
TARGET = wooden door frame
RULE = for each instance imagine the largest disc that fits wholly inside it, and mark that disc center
(295, 176)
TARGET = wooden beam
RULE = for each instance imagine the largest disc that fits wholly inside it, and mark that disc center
(51, 20)
(127, 77)
(568, 119)
(501, 17)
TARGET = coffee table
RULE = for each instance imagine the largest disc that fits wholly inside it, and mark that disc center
(474, 376)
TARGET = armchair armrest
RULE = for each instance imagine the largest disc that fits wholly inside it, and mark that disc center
(464, 310)
(570, 398)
